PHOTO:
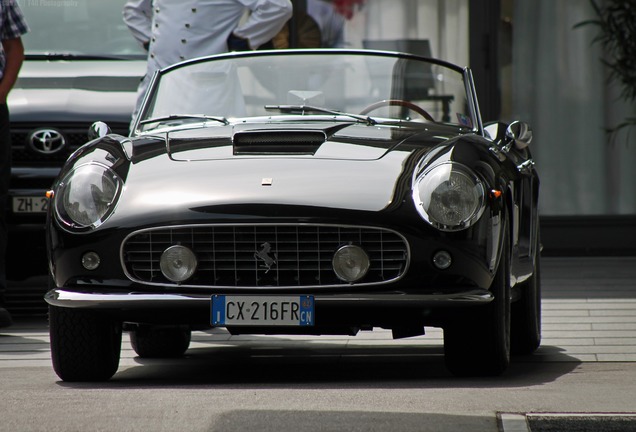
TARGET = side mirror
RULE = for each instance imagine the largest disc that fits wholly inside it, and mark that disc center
(98, 130)
(518, 133)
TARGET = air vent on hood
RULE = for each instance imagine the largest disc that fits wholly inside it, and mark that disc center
(278, 142)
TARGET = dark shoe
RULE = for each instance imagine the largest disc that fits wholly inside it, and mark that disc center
(5, 318)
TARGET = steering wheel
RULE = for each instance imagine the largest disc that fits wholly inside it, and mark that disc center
(399, 102)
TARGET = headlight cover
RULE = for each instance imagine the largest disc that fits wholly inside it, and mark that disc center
(86, 196)
(449, 196)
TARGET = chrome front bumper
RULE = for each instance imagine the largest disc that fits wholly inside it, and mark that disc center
(71, 299)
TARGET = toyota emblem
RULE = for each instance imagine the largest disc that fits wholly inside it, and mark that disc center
(46, 141)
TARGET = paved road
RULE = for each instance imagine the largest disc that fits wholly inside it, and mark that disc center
(586, 364)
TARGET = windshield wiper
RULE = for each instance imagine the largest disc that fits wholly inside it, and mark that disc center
(302, 109)
(185, 117)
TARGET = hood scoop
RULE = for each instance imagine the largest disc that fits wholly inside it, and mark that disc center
(280, 142)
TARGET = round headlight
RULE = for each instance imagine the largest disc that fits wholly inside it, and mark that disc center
(178, 263)
(350, 263)
(449, 196)
(86, 196)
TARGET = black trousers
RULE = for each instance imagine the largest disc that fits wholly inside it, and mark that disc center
(5, 177)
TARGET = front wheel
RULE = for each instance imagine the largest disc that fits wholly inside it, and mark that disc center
(526, 312)
(85, 344)
(479, 344)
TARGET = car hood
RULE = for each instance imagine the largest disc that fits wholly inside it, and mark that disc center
(75, 90)
(357, 168)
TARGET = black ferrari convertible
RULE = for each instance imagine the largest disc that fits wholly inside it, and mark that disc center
(311, 192)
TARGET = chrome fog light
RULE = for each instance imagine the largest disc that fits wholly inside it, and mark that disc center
(350, 263)
(442, 260)
(178, 263)
(90, 260)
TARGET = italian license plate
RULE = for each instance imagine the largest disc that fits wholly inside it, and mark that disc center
(244, 310)
(30, 204)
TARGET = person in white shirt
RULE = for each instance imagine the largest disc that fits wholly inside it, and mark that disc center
(329, 21)
(176, 30)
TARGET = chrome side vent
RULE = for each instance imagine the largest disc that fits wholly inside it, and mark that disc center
(279, 142)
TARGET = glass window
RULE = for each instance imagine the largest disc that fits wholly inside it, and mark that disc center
(78, 28)
(557, 82)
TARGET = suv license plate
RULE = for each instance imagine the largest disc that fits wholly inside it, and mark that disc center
(30, 204)
(245, 310)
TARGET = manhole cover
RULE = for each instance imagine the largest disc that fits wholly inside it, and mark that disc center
(567, 422)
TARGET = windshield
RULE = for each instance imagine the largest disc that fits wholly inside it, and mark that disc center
(78, 28)
(343, 85)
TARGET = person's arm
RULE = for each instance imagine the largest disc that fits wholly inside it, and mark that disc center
(267, 18)
(137, 16)
(14, 53)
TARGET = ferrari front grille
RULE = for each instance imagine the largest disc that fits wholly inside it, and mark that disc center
(285, 256)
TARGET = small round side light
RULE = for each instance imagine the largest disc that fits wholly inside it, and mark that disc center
(91, 260)
(442, 260)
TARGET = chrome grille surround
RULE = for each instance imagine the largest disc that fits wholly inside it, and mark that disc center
(227, 254)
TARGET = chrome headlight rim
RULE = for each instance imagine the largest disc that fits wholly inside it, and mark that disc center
(60, 206)
(457, 169)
